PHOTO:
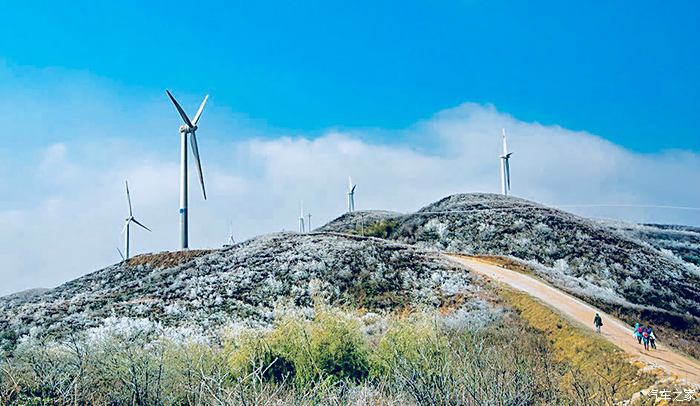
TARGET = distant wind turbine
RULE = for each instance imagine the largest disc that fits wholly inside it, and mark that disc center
(351, 195)
(128, 222)
(301, 219)
(230, 241)
(308, 225)
(189, 127)
(505, 167)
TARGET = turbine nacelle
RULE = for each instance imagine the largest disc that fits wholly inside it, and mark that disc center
(506, 156)
(187, 129)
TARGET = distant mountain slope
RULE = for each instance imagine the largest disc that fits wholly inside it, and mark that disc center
(682, 241)
(246, 283)
(581, 256)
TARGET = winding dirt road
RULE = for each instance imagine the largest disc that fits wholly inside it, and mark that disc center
(614, 330)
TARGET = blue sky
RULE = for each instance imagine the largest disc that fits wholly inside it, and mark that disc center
(627, 71)
(600, 102)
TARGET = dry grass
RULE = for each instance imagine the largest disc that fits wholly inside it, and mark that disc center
(166, 259)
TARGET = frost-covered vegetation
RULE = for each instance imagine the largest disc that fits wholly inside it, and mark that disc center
(639, 272)
(329, 357)
(681, 241)
(245, 285)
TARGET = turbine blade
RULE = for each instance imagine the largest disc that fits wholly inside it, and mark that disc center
(126, 224)
(199, 112)
(137, 222)
(353, 189)
(179, 109)
(120, 254)
(198, 164)
(128, 197)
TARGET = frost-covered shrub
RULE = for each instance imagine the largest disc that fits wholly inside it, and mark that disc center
(242, 284)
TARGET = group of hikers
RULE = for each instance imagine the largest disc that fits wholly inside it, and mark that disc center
(643, 334)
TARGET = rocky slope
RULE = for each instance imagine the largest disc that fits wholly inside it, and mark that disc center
(246, 284)
(594, 261)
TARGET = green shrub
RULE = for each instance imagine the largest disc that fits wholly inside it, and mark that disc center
(379, 229)
(328, 348)
(417, 341)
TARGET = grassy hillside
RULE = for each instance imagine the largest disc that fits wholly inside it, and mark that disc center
(637, 272)
(199, 292)
(527, 355)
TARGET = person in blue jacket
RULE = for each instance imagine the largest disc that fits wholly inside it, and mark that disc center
(637, 332)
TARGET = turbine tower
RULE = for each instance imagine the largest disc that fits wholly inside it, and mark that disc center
(505, 167)
(127, 222)
(308, 224)
(301, 218)
(188, 128)
(351, 195)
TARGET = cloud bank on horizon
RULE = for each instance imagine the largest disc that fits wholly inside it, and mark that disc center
(62, 174)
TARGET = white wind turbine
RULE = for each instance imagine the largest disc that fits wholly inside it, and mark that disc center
(505, 167)
(230, 241)
(301, 218)
(351, 195)
(188, 128)
(127, 223)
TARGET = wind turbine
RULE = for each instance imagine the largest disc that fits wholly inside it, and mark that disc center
(188, 128)
(230, 241)
(308, 225)
(505, 167)
(351, 195)
(301, 218)
(127, 223)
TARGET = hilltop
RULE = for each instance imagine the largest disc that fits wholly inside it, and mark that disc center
(356, 220)
(644, 273)
(202, 291)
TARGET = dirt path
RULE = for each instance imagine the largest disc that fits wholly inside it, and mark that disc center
(613, 330)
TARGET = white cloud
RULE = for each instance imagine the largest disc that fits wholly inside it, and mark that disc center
(65, 218)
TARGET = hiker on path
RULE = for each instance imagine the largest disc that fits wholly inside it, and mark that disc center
(652, 338)
(645, 338)
(597, 322)
(638, 332)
